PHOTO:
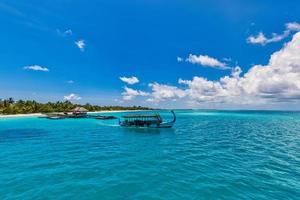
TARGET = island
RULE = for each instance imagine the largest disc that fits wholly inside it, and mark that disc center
(9, 106)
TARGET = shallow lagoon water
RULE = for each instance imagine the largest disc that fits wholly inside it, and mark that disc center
(207, 155)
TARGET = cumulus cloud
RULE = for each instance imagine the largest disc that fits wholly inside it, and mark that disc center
(271, 84)
(236, 71)
(205, 60)
(130, 80)
(72, 97)
(202, 90)
(36, 68)
(161, 92)
(80, 44)
(261, 39)
(276, 82)
(130, 93)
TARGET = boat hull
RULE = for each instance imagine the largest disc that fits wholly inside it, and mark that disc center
(161, 125)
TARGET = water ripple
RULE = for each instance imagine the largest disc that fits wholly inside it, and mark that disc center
(207, 155)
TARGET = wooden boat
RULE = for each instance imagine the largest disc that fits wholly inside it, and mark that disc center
(147, 121)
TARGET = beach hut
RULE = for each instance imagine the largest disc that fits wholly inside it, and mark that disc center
(79, 112)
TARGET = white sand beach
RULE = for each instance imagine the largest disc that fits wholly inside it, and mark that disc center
(43, 115)
(23, 115)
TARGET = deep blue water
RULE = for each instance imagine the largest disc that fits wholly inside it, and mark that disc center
(207, 155)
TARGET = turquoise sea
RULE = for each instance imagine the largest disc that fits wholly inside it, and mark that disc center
(207, 155)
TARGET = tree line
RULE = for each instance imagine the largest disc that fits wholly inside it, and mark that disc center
(9, 106)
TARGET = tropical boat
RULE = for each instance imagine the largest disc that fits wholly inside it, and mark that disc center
(147, 121)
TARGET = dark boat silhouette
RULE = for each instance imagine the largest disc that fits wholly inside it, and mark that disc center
(146, 121)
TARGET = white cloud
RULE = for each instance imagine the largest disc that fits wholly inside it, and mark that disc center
(205, 60)
(279, 81)
(130, 80)
(293, 26)
(179, 59)
(263, 40)
(130, 93)
(71, 97)
(80, 44)
(272, 84)
(262, 86)
(161, 92)
(70, 81)
(36, 68)
(235, 72)
(259, 39)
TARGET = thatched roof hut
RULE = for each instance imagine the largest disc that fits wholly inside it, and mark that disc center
(79, 110)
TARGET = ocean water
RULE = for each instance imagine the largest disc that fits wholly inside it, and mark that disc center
(207, 155)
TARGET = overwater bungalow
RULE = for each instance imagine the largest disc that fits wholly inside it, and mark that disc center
(79, 112)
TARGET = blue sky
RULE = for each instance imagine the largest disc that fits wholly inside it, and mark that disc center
(78, 50)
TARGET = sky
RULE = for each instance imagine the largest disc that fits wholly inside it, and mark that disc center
(216, 54)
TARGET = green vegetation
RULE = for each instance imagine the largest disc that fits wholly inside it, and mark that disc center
(9, 106)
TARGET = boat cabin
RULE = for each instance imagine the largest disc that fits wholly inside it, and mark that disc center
(142, 120)
(149, 120)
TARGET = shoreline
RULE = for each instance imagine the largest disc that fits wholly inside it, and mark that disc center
(43, 115)
(22, 115)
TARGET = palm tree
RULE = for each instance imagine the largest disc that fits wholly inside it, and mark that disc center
(10, 100)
